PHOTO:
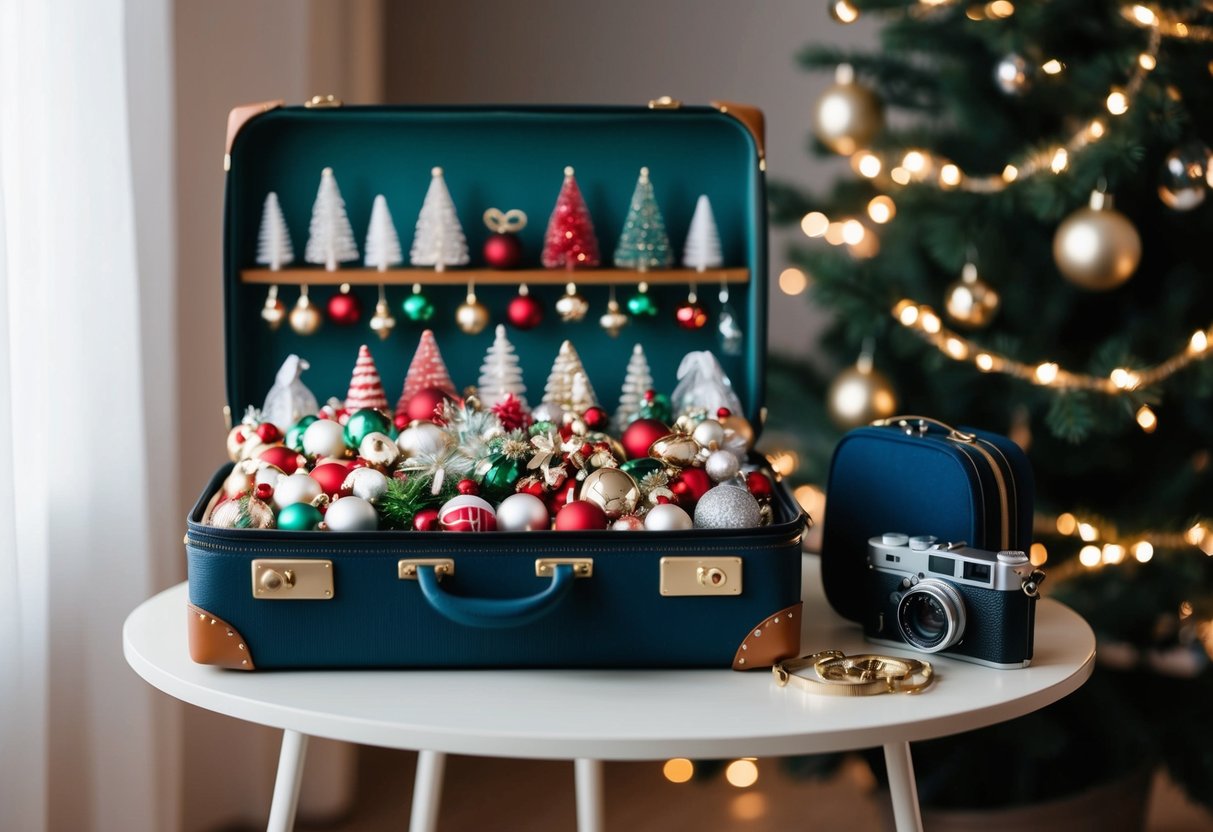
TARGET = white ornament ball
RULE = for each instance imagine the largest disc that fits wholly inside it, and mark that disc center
(240, 481)
(270, 474)
(351, 514)
(548, 412)
(324, 437)
(628, 523)
(299, 487)
(379, 449)
(727, 507)
(368, 483)
(523, 513)
(709, 432)
(422, 438)
(467, 513)
(722, 465)
(667, 517)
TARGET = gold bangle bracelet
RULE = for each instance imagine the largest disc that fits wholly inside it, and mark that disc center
(836, 674)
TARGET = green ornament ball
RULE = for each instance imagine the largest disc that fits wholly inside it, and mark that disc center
(294, 435)
(639, 468)
(502, 476)
(541, 427)
(642, 304)
(299, 517)
(658, 408)
(362, 422)
(417, 308)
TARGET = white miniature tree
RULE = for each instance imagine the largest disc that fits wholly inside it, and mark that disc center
(382, 241)
(703, 241)
(637, 380)
(559, 389)
(330, 237)
(274, 240)
(501, 374)
(438, 240)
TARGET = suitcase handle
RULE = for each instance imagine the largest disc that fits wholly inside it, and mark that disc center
(495, 613)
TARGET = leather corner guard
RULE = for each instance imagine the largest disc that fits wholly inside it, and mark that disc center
(751, 117)
(239, 116)
(775, 639)
(214, 641)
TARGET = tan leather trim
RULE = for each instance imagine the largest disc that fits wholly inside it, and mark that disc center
(751, 117)
(775, 639)
(214, 641)
(239, 116)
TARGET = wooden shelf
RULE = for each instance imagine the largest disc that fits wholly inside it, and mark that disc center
(486, 277)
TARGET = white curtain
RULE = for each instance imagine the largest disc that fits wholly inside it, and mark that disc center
(87, 403)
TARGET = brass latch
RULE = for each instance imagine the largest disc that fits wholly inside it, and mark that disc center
(582, 567)
(407, 569)
(304, 579)
(321, 101)
(664, 102)
(701, 576)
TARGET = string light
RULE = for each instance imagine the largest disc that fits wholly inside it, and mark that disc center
(1054, 67)
(678, 770)
(814, 224)
(742, 773)
(793, 281)
(881, 209)
(1146, 419)
(1103, 545)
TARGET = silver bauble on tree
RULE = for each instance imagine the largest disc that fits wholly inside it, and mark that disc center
(1181, 183)
(1097, 248)
(848, 115)
(1012, 75)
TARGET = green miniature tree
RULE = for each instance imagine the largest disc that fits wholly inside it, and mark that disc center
(643, 243)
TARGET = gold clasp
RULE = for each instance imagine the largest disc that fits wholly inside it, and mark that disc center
(664, 102)
(277, 579)
(700, 576)
(322, 101)
(582, 567)
(407, 569)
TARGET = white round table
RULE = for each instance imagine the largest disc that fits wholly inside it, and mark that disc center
(590, 716)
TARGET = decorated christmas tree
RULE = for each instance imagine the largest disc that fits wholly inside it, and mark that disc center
(702, 249)
(438, 240)
(330, 238)
(570, 242)
(643, 243)
(382, 242)
(637, 381)
(426, 370)
(501, 374)
(274, 239)
(563, 388)
(978, 248)
(366, 388)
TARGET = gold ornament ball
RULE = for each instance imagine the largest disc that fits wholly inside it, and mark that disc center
(848, 115)
(612, 490)
(572, 307)
(858, 395)
(273, 313)
(971, 301)
(305, 318)
(382, 322)
(472, 316)
(1097, 248)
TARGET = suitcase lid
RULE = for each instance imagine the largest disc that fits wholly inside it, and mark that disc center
(504, 157)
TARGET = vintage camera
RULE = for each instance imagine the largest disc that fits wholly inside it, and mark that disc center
(951, 599)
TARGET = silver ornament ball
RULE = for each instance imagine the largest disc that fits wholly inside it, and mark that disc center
(709, 432)
(721, 466)
(351, 514)
(727, 507)
(523, 513)
(667, 517)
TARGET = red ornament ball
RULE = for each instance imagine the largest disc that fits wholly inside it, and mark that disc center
(269, 433)
(760, 486)
(640, 435)
(280, 456)
(344, 309)
(580, 516)
(689, 486)
(401, 421)
(690, 316)
(467, 487)
(330, 475)
(596, 418)
(426, 520)
(503, 251)
(524, 312)
(467, 513)
(263, 491)
(425, 404)
(723, 413)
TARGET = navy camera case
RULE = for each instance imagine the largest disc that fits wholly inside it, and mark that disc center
(918, 476)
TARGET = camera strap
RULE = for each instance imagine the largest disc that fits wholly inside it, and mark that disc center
(833, 673)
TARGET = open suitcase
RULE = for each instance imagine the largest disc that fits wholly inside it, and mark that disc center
(505, 599)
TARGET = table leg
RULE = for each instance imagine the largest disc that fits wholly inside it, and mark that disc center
(427, 791)
(286, 784)
(906, 815)
(588, 774)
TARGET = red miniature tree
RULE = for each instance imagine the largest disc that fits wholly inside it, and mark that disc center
(570, 242)
(366, 388)
(426, 370)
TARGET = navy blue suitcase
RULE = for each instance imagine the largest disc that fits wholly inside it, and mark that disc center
(494, 599)
(917, 476)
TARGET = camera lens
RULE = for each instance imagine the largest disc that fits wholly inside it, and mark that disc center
(931, 616)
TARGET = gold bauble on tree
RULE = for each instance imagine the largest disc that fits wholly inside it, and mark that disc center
(970, 301)
(1097, 248)
(305, 318)
(472, 316)
(848, 115)
(860, 394)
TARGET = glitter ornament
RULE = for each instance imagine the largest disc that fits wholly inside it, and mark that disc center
(726, 507)
(721, 466)
(467, 513)
(580, 516)
(351, 514)
(970, 301)
(612, 490)
(1097, 248)
(569, 242)
(245, 512)
(667, 517)
(296, 488)
(367, 483)
(523, 512)
(299, 517)
(848, 115)
(324, 437)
